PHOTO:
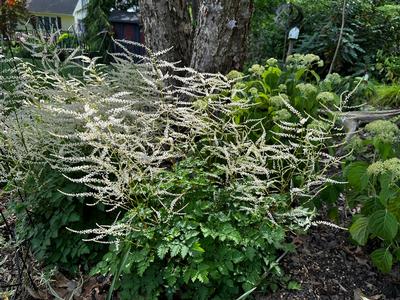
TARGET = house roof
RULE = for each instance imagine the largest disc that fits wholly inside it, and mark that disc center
(119, 16)
(64, 7)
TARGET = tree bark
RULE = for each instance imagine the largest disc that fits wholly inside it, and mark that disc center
(167, 24)
(221, 35)
(195, 9)
(217, 45)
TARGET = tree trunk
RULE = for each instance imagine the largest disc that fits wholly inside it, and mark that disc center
(195, 9)
(221, 35)
(219, 41)
(167, 24)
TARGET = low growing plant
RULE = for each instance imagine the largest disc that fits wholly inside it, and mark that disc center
(373, 187)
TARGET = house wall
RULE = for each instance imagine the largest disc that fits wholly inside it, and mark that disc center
(80, 13)
(67, 21)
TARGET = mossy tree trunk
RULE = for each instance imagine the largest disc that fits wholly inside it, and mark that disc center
(216, 44)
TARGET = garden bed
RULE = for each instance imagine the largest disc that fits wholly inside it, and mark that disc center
(328, 266)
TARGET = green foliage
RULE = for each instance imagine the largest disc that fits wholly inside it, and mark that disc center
(387, 95)
(370, 36)
(205, 192)
(266, 38)
(373, 185)
(270, 89)
(383, 259)
(387, 67)
(98, 31)
(48, 212)
(210, 250)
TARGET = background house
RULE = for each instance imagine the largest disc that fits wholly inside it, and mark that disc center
(69, 15)
(53, 14)
(127, 26)
(80, 13)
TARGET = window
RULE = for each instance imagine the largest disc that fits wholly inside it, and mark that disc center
(49, 23)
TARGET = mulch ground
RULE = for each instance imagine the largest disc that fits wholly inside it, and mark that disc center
(329, 266)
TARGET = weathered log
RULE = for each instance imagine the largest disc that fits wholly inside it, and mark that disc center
(351, 120)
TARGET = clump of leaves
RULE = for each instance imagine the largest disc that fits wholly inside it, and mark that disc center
(387, 95)
(210, 249)
(44, 212)
(269, 87)
(205, 198)
(373, 184)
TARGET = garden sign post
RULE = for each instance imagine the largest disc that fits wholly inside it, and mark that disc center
(293, 36)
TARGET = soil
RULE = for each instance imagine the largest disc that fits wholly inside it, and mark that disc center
(329, 266)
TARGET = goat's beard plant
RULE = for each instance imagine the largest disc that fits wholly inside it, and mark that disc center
(203, 202)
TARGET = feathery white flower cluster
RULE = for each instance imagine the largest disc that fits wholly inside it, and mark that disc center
(114, 129)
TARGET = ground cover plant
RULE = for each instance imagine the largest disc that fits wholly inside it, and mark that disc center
(373, 186)
(199, 200)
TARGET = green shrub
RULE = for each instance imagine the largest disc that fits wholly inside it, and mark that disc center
(373, 185)
(204, 192)
(387, 95)
(387, 67)
(45, 213)
(211, 249)
(270, 89)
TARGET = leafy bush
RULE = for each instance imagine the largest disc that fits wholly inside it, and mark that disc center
(204, 198)
(48, 212)
(211, 249)
(387, 67)
(387, 95)
(269, 87)
(375, 188)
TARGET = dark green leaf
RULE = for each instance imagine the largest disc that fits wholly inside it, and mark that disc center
(383, 224)
(359, 230)
(357, 176)
(382, 259)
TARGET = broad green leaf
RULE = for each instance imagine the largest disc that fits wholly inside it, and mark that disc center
(299, 73)
(316, 76)
(394, 207)
(357, 175)
(387, 192)
(175, 249)
(196, 247)
(294, 285)
(370, 204)
(184, 251)
(383, 224)
(359, 230)
(382, 259)
(397, 254)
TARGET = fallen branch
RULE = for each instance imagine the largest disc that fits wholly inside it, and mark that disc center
(352, 119)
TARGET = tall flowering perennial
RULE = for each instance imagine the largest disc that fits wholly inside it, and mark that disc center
(11, 12)
(125, 126)
(147, 139)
